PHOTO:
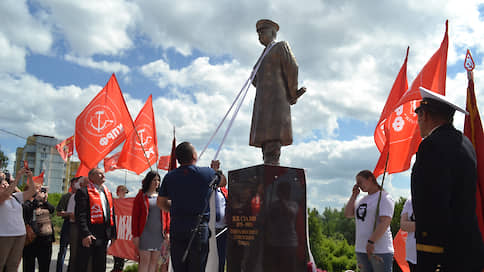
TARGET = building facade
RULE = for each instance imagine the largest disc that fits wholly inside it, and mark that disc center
(41, 155)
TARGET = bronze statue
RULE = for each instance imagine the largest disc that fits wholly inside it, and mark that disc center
(276, 90)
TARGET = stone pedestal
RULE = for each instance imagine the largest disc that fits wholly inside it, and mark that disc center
(266, 215)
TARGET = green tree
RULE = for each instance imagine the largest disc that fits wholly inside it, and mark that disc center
(335, 223)
(3, 160)
(395, 225)
(331, 252)
(57, 221)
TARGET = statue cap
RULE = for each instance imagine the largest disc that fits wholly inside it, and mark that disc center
(263, 23)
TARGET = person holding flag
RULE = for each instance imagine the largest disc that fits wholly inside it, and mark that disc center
(373, 214)
(443, 187)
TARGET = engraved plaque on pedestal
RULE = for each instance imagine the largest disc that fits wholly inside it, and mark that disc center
(266, 216)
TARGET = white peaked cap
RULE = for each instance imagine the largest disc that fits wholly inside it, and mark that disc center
(426, 94)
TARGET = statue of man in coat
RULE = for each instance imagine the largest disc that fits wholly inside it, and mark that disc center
(276, 90)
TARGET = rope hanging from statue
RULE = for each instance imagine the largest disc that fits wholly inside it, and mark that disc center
(244, 90)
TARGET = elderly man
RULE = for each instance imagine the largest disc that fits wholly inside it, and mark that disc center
(276, 90)
(94, 215)
(444, 192)
(185, 193)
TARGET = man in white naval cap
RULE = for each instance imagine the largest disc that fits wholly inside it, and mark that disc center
(444, 191)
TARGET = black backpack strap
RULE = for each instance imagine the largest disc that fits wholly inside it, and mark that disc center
(17, 199)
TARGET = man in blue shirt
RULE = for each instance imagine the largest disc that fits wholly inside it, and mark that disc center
(185, 194)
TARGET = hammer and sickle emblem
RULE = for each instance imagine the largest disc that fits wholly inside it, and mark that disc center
(142, 141)
(101, 124)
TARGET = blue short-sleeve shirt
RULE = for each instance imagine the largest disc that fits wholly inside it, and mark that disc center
(187, 188)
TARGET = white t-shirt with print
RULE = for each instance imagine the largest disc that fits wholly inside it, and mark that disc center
(365, 210)
(12, 221)
(411, 244)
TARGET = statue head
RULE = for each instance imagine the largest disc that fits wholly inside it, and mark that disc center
(267, 31)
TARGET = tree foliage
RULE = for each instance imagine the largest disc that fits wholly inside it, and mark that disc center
(332, 236)
(330, 248)
(3, 160)
(395, 225)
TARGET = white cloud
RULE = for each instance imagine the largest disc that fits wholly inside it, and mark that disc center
(20, 33)
(348, 52)
(106, 66)
(23, 28)
(39, 107)
(12, 58)
(93, 27)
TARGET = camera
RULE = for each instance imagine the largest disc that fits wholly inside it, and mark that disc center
(43, 190)
(7, 176)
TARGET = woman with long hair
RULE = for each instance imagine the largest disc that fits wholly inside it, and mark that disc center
(374, 243)
(147, 225)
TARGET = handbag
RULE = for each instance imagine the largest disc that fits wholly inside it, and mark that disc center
(30, 236)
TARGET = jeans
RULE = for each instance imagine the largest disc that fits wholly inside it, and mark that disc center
(64, 242)
(378, 263)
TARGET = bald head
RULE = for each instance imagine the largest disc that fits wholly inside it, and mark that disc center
(185, 153)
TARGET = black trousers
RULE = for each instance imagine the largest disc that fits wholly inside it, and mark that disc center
(95, 255)
(40, 249)
(197, 256)
(412, 266)
(222, 249)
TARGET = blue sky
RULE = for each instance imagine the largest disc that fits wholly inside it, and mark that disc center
(55, 56)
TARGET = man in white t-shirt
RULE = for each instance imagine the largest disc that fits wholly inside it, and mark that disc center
(407, 223)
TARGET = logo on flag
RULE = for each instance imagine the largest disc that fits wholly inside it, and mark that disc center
(102, 125)
(111, 163)
(140, 150)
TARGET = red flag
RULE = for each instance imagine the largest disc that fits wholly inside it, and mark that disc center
(82, 171)
(102, 125)
(382, 130)
(398, 136)
(172, 154)
(164, 163)
(141, 148)
(433, 74)
(66, 148)
(171, 166)
(111, 163)
(473, 130)
(400, 250)
(39, 179)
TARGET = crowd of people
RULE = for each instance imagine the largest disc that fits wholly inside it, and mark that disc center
(440, 218)
(89, 223)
